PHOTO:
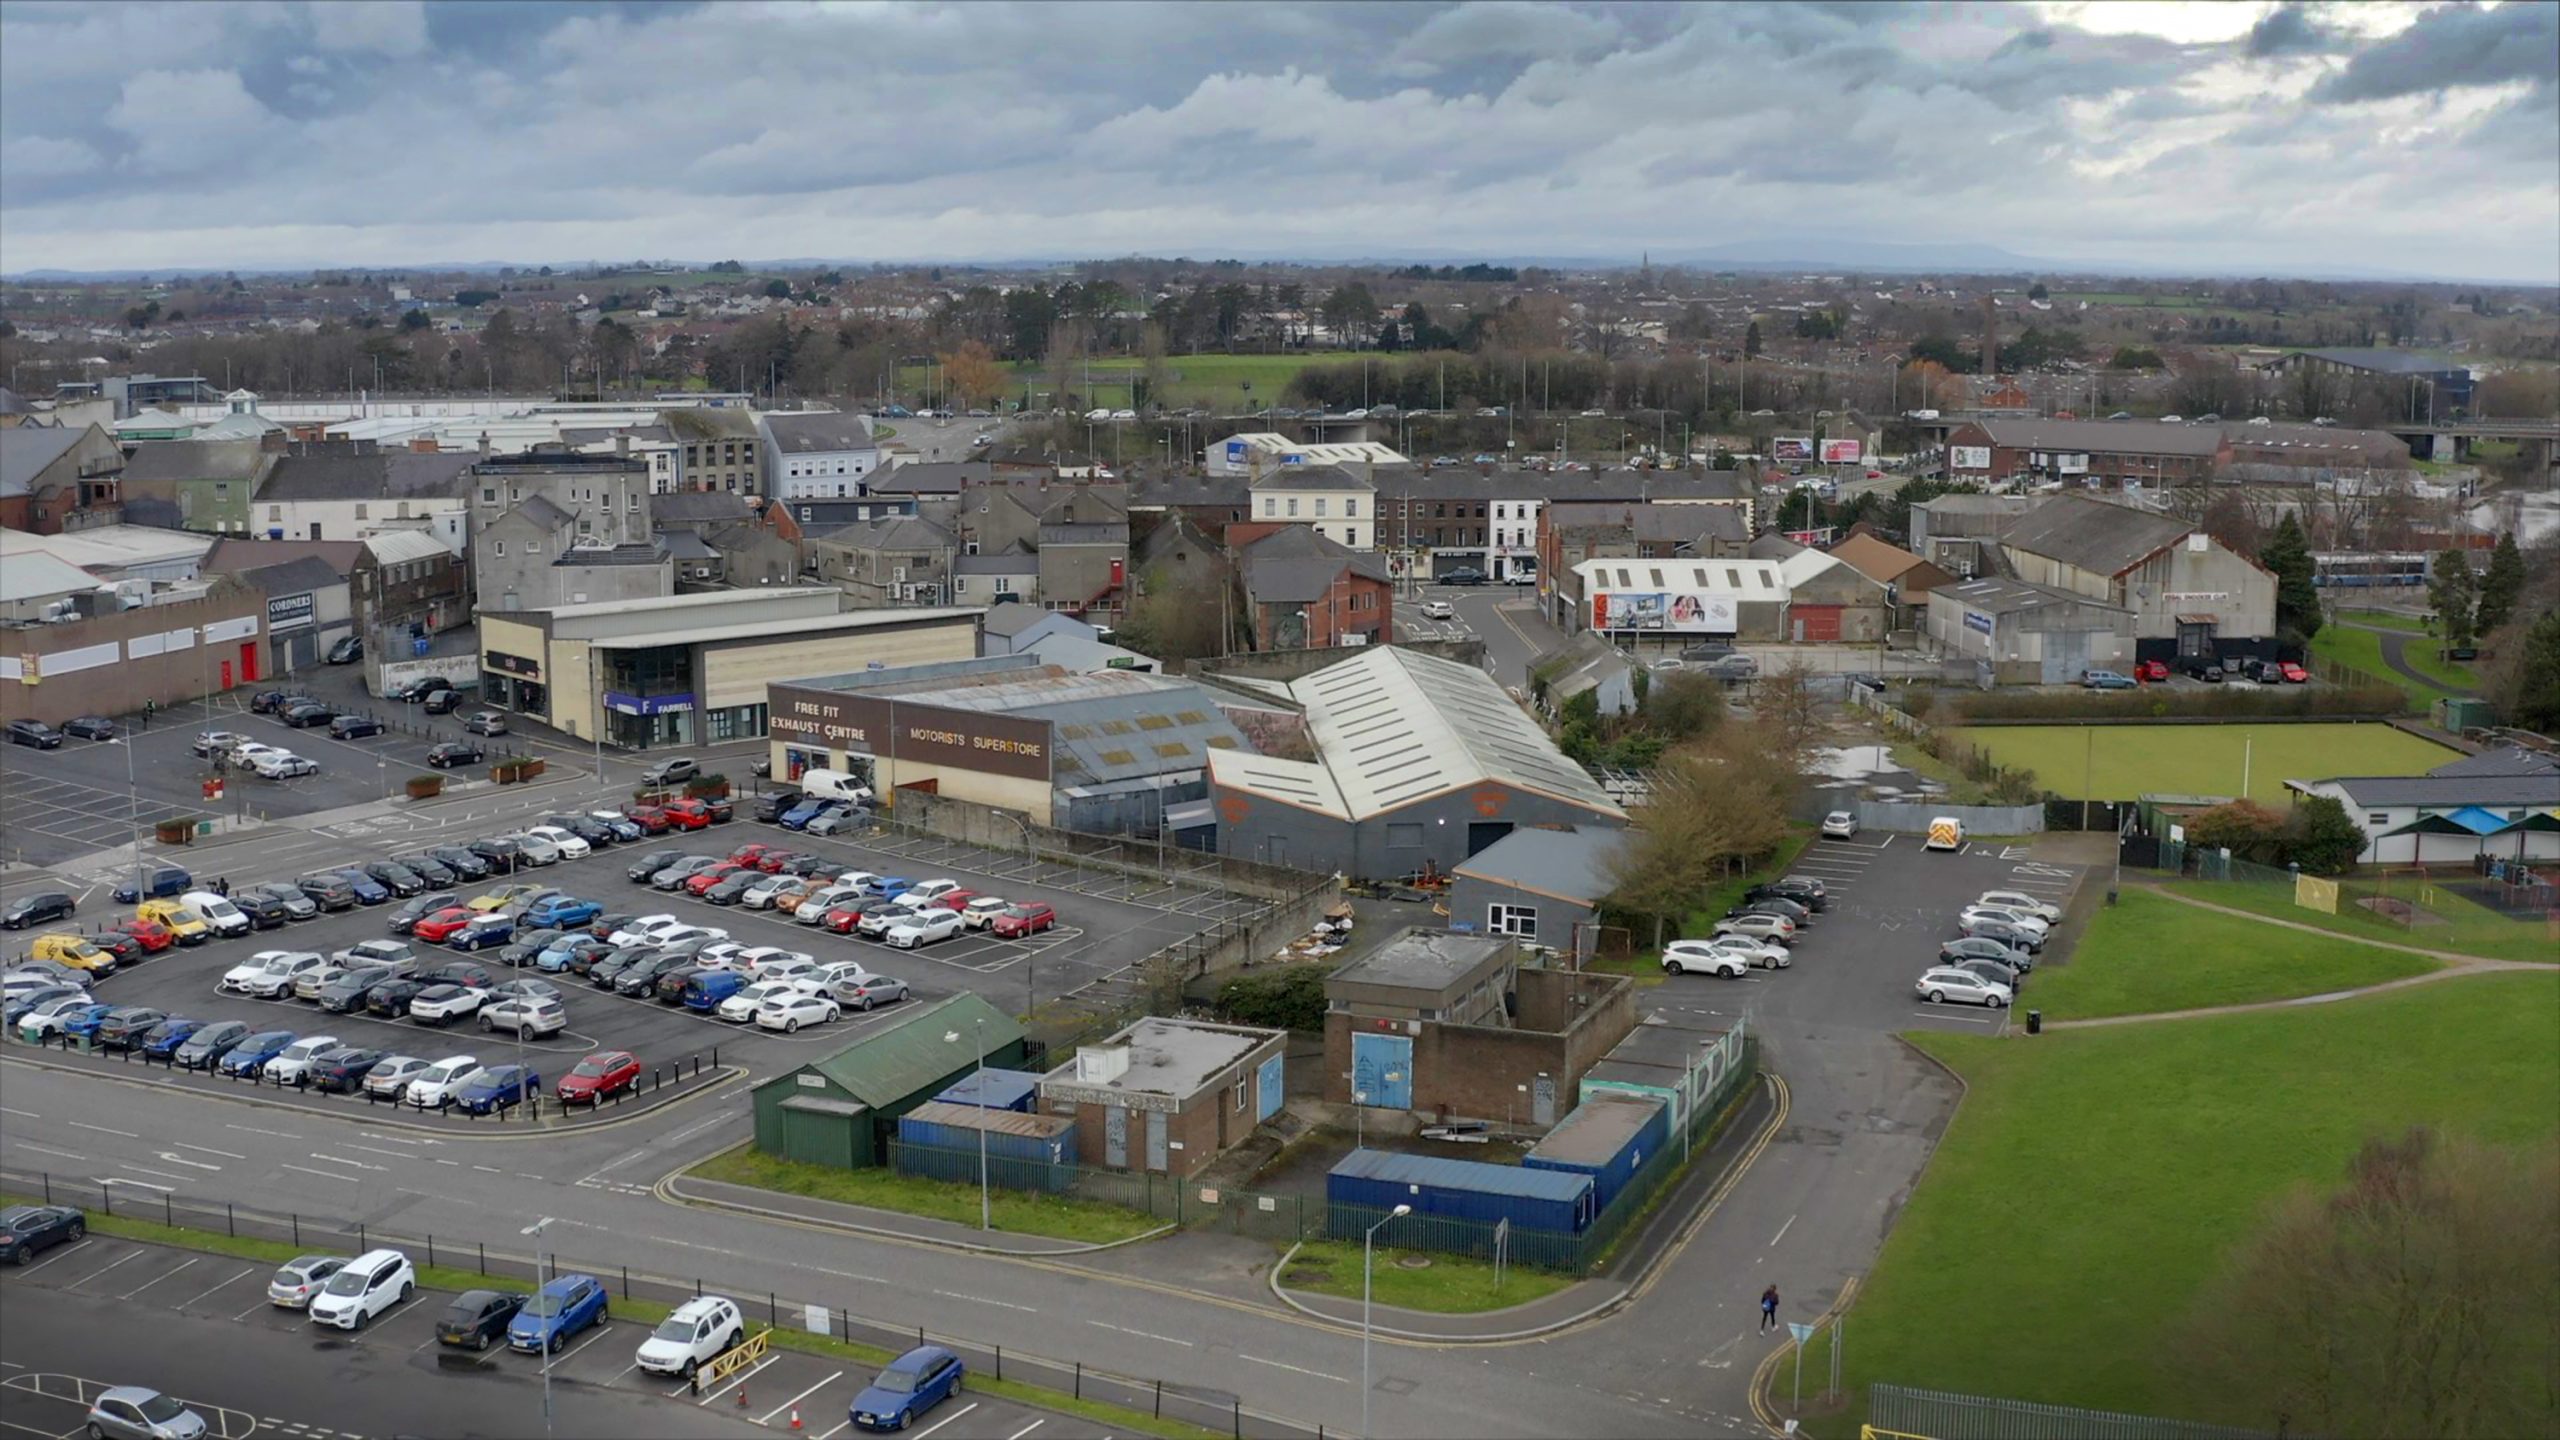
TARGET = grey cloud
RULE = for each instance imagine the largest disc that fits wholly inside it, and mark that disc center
(2290, 30)
(2457, 46)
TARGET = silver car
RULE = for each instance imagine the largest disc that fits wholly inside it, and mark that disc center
(530, 1016)
(301, 1278)
(130, 1412)
(1840, 825)
(535, 849)
(1941, 984)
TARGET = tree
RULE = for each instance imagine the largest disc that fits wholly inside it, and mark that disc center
(2134, 357)
(2501, 586)
(1751, 338)
(1681, 704)
(2037, 291)
(777, 289)
(1177, 618)
(2243, 827)
(2287, 553)
(1717, 801)
(1694, 323)
(414, 320)
(2321, 837)
(2523, 678)
(973, 374)
(2412, 1300)
(2454, 592)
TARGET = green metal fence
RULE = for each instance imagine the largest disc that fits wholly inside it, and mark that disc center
(1943, 1413)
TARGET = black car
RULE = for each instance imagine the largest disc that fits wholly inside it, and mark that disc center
(443, 702)
(297, 906)
(1463, 575)
(464, 864)
(90, 727)
(305, 714)
(354, 727)
(636, 979)
(346, 994)
(667, 986)
(26, 1230)
(268, 702)
(769, 807)
(478, 1317)
(348, 650)
(35, 733)
(460, 972)
(123, 1027)
(327, 889)
(502, 853)
(400, 879)
(609, 967)
(41, 908)
(584, 954)
(586, 827)
(406, 918)
(2204, 670)
(1802, 892)
(640, 870)
(455, 752)
(731, 887)
(419, 689)
(435, 872)
(342, 1071)
(126, 949)
(526, 945)
(1995, 972)
(1977, 947)
(204, 1049)
(265, 911)
(391, 998)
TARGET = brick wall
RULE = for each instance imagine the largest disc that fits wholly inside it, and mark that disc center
(1475, 1072)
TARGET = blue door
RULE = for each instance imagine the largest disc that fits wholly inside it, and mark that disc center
(1382, 1069)
(1267, 1085)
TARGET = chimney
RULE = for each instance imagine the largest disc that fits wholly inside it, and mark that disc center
(484, 444)
(622, 442)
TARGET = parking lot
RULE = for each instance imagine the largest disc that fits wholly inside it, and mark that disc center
(198, 1326)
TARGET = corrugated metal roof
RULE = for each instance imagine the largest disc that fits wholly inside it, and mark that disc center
(994, 1122)
(2106, 437)
(998, 1088)
(892, 1063)
(1563, 1186)
(1572, 863)
(1596, 1130)
(2093, 535)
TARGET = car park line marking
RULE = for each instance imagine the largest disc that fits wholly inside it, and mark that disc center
(207, 1149)
(254, 1309)
(748, 1374)
(840, 1428)
(1278, 1365)
(103, 1269)
(103, 1130)
(442, 1161)
(767, 1416)
(21, 1114)
(601, 1332)
(1027, 1429)
(154, 1280)
(1959, 1019)
(327, 1174)
(46, 1149)
(983, 1300)
(947, 1419)
(73, 1249)
(190, 1300)
(1141, 1334)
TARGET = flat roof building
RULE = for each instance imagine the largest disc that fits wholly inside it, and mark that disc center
(1168, 1095)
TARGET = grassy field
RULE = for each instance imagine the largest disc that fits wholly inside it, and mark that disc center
(1021, 1212)
(2123, 967)
(2094, 1180)
(2449, 923)
(1449, 1285)
(2362, 650)
(2119, 762)
(1214, 382)
(2383, 620)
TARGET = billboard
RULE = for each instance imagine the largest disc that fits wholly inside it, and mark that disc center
(1683, 612)
(1977, 622)
(1843, 452)
(926, 734)
(2071, 464)
(1790, 447)
(1969, 457)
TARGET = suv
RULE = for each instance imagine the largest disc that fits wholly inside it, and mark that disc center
(560, 1309)
(38, 909)
(700, 1330)
(671, 772)
(372, 1283)
(354, 727)
(35, 733)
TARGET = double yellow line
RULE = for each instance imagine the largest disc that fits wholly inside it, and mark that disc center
(1761, 1409)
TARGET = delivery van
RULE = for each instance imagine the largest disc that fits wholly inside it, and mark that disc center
(1946, 832)
(834, 785)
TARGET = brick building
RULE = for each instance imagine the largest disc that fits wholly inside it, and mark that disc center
(1305, 591)
(1167, 1095)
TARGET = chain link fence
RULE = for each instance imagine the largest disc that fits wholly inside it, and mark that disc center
(1946, 1415)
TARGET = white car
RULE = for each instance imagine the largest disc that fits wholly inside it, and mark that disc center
(788, 965)
(250, 752)
(217, 742)
(761, 895)
(682, 933)
(1759, 927)
(1764, 954)
(700, 1330)
(645, 931)
(835, 972)
(789, 1012)
(1939, 985)
(434, 1086)
(535, 849)
(1696, 957)
(982, 910)
(923, 928)
(2006, 916)
(531, 1017)
(372, 1283)
(293, 1063)
(741, 1007)
(875, 924)
(444, 1004)
(394, 956)
(49, 1017)
(1438, 610)
(926, 891)
(726, 955)
(813, 909)
(564, 841)
(221, 915)
(282, 765)
(2050, 914)
(269, 973)
(1840, 825)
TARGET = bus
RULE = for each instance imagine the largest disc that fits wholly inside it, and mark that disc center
(2367, 569)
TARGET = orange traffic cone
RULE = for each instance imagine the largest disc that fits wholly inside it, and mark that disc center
(742, 1395)
(795, 1417)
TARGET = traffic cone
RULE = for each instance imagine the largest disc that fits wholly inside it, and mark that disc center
(742, 1394)
(795, 1417)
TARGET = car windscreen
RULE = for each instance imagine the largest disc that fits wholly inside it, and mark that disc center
(160, 1409)
(674, 1327)
(590, 1068)
(347, 1282)
(896, 1382)
(542, 1306)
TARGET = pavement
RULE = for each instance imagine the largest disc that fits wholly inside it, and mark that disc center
(2395, 654)
(198, 1326)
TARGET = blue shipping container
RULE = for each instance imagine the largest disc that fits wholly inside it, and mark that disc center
(1023, 1152)
(1468, 1190)
(1607, 1138)
(996, 1090)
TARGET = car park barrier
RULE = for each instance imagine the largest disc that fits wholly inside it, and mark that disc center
(736, 1359)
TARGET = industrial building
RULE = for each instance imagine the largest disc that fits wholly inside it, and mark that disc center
(842, 1109)
(1540, 886)
(1168, 1096)
(2030, 634)
(1684, 599)
(1254, 451)
(2192, 597)
(1417, 763)
(693, 669)
(1609, 1138)
(1106, 751)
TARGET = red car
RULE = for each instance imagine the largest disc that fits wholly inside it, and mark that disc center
(600, 1075)
(443, 925)
(772, 861)
(2151, 671)
(651, 819)
(151, 935)
(688, 814)
(750, 854)
(698, 884)
(1024, 920)
(2293, 672)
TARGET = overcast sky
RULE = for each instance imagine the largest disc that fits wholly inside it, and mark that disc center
(2230, 138)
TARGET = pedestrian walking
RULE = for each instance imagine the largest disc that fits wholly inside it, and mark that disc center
(1768, 1309)
(222, 886)
(149, 708)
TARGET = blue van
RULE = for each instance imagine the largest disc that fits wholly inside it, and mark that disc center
(159, 882)
(704, 992)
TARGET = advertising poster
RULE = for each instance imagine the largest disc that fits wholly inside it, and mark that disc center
(1679, 612)
(1842, 452)
(1783, 448)
(1969, 457)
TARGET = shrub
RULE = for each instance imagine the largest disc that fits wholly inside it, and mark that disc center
(2213, 702)
(1290, 997)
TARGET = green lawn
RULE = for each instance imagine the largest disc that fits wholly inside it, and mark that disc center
(1210, 381)
(2383, 620)
(2094, 1180)
(2449, 922)
(1450, 1284)
(2119, 762)
(2362, 650)
(2123, 967)
(1021, 1212)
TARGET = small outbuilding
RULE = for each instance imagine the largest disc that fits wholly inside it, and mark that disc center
(1193, 1089)
(840, 1110)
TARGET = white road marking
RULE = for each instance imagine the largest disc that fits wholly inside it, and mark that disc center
(176, 1159)
(142, 1184)
(327, 1174)
(840, 1428)
(339, 1160)
(947, 1419)
(601, 1332)
(1278, 1365)
(190, 1300)
(692, 1130)
(209, 1150)
(767, 1416)
(750, 1373)
(1961, 1019)
(103, 1269)
(21, 1114)
(377, 1150)
(983, 1300)
(46, 1149)
(75, 1248)
(1027, 1429)
(103, 1130)
(1141, 1334)
(154, 1280)
(1782, 1232)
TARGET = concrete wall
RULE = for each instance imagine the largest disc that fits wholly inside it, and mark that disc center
(1476, 1071)
(122, 680)
(1978, 819)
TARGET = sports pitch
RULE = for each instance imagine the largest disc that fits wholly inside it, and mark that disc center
(2120, 762)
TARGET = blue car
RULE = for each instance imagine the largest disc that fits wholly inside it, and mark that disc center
(486, 930)
(2106, 680)
(557, 1311)
(85, 1024)
(251, 1055)
(555, 956)
(704, 992)
(560, 912)
(164, 1038)
(496, 1088)
(914, 1383)
(801, 814)
(369, 891)
(888, 887)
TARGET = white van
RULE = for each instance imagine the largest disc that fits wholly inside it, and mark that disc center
(1946, 832)
(225, 918)
(371, 1284)
(834, 785)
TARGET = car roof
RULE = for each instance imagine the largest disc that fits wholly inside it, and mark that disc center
(920, 1357)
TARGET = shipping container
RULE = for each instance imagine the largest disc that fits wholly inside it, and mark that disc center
(1608, 1139)
(1470, 1190)
(993, 1090)
(941, 1141)
(1649, 1082)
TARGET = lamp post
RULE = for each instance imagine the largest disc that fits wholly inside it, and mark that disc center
(986, 1208)
(540, 1253)
(132, 810)
(1359, 1119)
(1368, 1259)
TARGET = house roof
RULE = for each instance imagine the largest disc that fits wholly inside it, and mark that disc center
(2446, 792)
(174, 460)
(1311, 477)
(381, 475)
(1417, 958)
(295, 577)
(2093, 535)
(1169, 1056)
(806, 432)
(541, 512)
(685, 545)
(236, 554)
(25, 451)
(1566, 864)
(945, 477)
(888, 532)
(712, 422)
(698, 507)
(121, 547)
(1742, 579)
(1295, 565)
(2511, 761)
(917, 1051)
(395, 547)
(1585, 662)
(1013, 617)
(1878, 560)
(2106, 437)
(242, 426)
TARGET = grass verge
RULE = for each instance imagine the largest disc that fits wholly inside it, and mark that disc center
(2127, 964)
(2130, 1162)
(1448, 1285)
(648, 1312)
(2362, 650)
(1644, 965)
(1020, 1212)
(2454, 924)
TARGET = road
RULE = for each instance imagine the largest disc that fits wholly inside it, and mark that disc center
(1504, 617)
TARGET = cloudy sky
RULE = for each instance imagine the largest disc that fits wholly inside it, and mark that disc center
(2229, 138)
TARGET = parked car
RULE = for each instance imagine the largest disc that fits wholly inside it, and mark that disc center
(2016, 937)
(495, 1088)
(741, 1008)
(565, 844)
(651, 819)
(1759, 927)
(2105, 680)
(89, 727)
(696, 814)
(34, 733)
(398, 878)
(371, 1285)
(204, 1049)
(2024, 919)
(342, 1071)
(1698, 957)
(306, 715)
(2208, 671)
(292, 1064)
(269, 974)
(674, 770)
(444, 1004)
(442, 702)
(2023, 902)
(789, 1010)
(27, 1231)
(911, 1385)
(1463, 575)
(434, 1086)
(980, 911)
(135, 1412)
(301, 1278)
(1026, 919)
(43, 907)
(390, 1076)
(477, 1317)
(250, 1054)
(599, 1076)
(156, 882)
(564, 1306)
(461, 861)
(1803, 889)
(123, 1027)
(697, 1332)
(1974, 947)
(1940, 984)
(1795, 910)
(483, 932)
(420, 688)
(455, 752)
(354, 727)
(2151, 672)
(369, 891)
(162, 1041)
(529, 1017)
(390, 998)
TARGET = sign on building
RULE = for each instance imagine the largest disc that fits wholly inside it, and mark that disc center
(1977, 622)
(1969, 457)
(288, 612)
(1790, 447)
(926, 734)
(1670, 611)
(1843, 452)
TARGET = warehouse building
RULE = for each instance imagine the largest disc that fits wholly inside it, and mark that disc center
(2093, 452)
(1107, 751)
(1418, 763)
(1168, 1096)
(2192, 597)
(2030, 634)
(1540, 886)
(693, 669)
(841, 1110)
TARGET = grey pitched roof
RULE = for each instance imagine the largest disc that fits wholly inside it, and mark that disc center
(2508, 792)
(945, 477)
(2093, 535)
(1231, 491)
(2507, 762)
(236, 554)
(698, 507)
(805, 432)
(1012, 618)
(294, 577)
(1311, 477)
(25, 450)
(636, 553)
(714, 422)
(539, 510)
(1571, 864)
(2001, 597)
(891, 532)
(2106, 437)
(173, 460)
(685, 545)
(1581, 663)
(380, 475)
(1096, 534)
(12, 404)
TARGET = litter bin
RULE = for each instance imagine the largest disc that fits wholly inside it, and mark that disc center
(2035, 1022)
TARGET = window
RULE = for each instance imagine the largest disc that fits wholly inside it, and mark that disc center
(360, 510)
(488, 494)
(2378, 817)
(1240, 1087)
(1293, 507)
(1351, 505)
(500, 546)
(1270, 506)
(275, 512)
(1519, 920)
(1319, 507)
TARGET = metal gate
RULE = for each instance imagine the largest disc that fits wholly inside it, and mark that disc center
(1156, 1157)
(1115, 1136)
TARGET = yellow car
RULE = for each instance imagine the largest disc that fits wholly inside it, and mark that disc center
(184, 923)
(502, 897)
(74, 951)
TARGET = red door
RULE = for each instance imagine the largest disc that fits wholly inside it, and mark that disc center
(248, 662)
(1817, 622)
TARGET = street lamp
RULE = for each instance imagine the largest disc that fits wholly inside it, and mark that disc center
(132, 810)
(536, 1230)
(986, 1207)
(1368, 1258)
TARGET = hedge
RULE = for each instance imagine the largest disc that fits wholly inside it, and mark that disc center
(2360, 702)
